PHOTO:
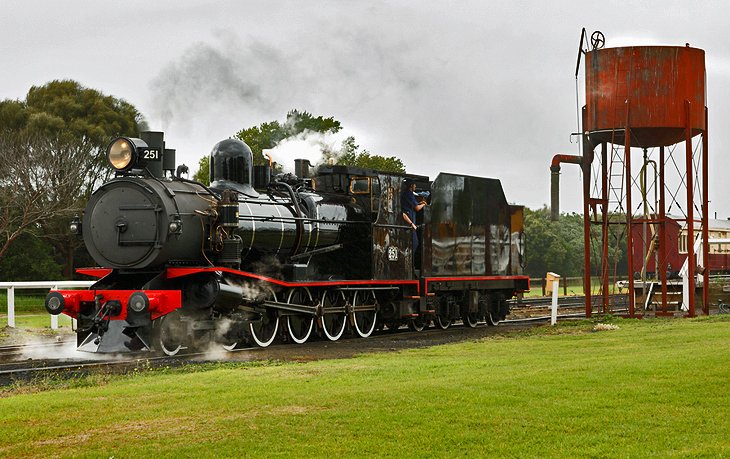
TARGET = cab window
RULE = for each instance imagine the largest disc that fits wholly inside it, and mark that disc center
(367, 188)
(360, 185)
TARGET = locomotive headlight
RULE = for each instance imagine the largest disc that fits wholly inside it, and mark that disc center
(120, 153)
(138, 302)
(123, 152)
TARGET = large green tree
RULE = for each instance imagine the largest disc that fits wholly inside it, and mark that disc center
(54, 143)
(29, 258)
(553, 246)
(352, 155)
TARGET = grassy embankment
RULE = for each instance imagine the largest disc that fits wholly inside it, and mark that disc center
(653, 387)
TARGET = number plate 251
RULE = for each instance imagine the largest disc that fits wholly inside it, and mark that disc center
(150, 154)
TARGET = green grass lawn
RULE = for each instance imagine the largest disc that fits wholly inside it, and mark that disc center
(652, 388)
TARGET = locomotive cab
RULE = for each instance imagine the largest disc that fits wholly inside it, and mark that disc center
(390, 251)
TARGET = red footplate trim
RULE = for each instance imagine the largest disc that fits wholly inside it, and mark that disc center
(94, 272)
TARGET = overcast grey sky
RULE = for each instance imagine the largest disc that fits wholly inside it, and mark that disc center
(476, 87)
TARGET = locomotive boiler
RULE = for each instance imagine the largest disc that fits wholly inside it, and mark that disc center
(254, 256)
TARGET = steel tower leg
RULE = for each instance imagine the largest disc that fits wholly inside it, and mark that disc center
(662, 262)
(604, 228)
(629, 233)
(586, 168)
(691, 262)
(705, 221)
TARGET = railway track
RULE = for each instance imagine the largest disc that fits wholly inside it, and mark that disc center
(11, 372)
(569, 307)
(24, 370)
(12, 351)
(619, 300)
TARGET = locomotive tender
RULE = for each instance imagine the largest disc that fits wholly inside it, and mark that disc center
(253, 257)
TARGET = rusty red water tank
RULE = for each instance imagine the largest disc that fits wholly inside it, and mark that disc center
(653, 83)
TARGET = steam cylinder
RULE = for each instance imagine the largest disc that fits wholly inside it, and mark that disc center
(651, 85)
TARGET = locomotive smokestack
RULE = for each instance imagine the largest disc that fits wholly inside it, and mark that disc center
(261, 176)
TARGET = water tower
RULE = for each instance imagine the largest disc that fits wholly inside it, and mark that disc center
(644, 145)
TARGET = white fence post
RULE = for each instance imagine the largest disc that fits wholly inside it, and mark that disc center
(11, 307)
(555, 279)
(54, 318)
(554, 311)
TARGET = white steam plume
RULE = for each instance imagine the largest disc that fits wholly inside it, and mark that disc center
(317, 147)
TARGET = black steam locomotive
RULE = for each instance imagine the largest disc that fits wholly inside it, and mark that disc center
(254, 256)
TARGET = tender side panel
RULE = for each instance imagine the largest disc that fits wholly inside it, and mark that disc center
(470, 227)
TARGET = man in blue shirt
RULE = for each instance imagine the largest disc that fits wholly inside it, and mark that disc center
(410, 205)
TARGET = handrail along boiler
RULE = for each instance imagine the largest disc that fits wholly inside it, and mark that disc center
(256, 256)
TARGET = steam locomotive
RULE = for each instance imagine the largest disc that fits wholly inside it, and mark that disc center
(257, 256)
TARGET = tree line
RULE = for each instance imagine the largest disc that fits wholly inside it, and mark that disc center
(270, 134)
(557, 246)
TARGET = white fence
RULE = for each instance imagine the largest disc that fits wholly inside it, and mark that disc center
(52, 285)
